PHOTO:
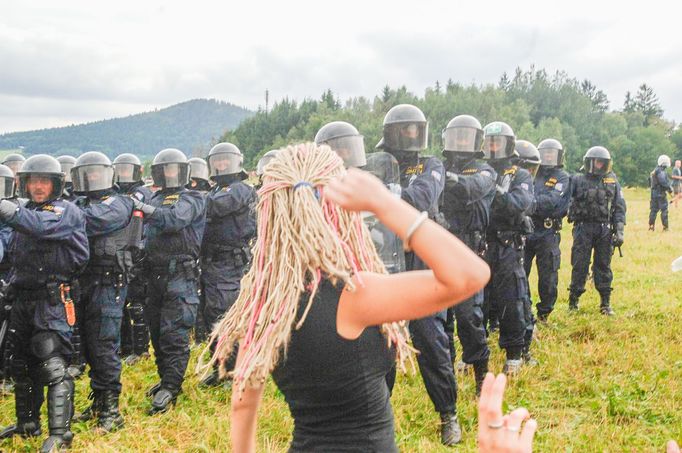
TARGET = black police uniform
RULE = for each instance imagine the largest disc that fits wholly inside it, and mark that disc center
(103, 290)
(134, 331)
(49, 249)
(597, 204)
(422, 181)
(552, 196)
(173, 238)
(507, 292)
(660, 186)
(225, 252)
(466, 208)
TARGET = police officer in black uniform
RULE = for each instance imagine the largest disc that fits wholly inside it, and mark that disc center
(552, 195)
(597, 210)
(134, 332)
(175, 221)
(7, 192)
(468, 195)
(198, 175)
(14, 162)
(260, 166)
(660, 187)
(49, 249)
(507, 292)
(230, 225)
(405, 133)
(104, 281)
(67, 163)
(345, 140)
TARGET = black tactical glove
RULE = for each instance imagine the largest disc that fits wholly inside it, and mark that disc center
(618, 235)
(145, 208)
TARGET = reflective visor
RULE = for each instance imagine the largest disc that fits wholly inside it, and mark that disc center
(549, 157)
(498, 147)
(127, 173)
(92, 178)
(170, 175)
(462, 140)
(66, 169)
(598, 166)
(406, 136)
(351, 149)
(6, 187)
(224, 164)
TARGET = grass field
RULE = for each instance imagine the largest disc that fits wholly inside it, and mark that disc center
(603, 384)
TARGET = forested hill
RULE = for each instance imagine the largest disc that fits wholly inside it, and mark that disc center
(187, 126)
(536, 104)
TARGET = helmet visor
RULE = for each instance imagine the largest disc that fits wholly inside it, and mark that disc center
(550, 157)
(597, 165)
(170, 175)
(92, 178)
(14, 165)
(127, 173)
(224, 164)
(406, 136)
(6, 187)
(498, 147)
(351, 149)
(198, 170)
(262, 163)
(462, 140)
(66, 169)
(531, 167)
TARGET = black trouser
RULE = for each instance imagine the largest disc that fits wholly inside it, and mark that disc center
(586, 238)
(134, 331)
(659, 202)
(102, 297)
(544, 245)
(506, 295)
(171, 310)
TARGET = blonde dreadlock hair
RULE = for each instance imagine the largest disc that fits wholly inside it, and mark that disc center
(302, 237)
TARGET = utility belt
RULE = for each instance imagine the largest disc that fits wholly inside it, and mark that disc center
(514, 239)
(585, 222)
(55, 292)
(175, 265)
(547, 224)
(475, 240)
(240, 256)
(107, 274)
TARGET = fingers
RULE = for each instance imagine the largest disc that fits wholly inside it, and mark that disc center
(490, 403)
(672, 447)
(526, 438)
(513, 421)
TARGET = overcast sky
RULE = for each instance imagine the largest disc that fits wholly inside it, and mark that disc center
(74, 61)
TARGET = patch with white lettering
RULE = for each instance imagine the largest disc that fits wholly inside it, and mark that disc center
(436, 175)
(524, 186)
(559, 186)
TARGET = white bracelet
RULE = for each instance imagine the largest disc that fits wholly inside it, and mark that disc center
(417, 223)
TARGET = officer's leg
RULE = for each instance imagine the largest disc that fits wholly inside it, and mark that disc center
(533, 243)
(472, 336)
(428, 336)
(450, 331)
(663, 205)
(178, 315)
(549, 261)
(581, 252)
(490, 321)
(603, 277)
(200, 331)
(653, 210)
(155, 299)
(134, 326)
(140, 332)
(126, 333)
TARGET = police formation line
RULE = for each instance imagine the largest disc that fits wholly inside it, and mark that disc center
(97, 263)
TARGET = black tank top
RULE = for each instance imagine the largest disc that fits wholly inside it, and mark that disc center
(336, 388)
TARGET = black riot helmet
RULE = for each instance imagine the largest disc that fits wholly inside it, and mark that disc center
(198, 169)
(92, 172)
(67, 163)
(405, 129)
(463, 137)
(597, 161)
(170, 169)
(551, 153)
(263, 161)
(7, 182)
(225, 159)
(345, 140)
(14, 162)
(127, 169)
(528, 156)
(41, 166)
(499, 141)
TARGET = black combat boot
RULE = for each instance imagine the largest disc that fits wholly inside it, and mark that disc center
(480, 370)
(28, 415)
(93, 410)
(528, 358)
(151, 391)
(59, 413)
(573, 301)
(513, 364)
(450, 432)
(163, 399)
(212, 380)
(605, 306)
(110, 418)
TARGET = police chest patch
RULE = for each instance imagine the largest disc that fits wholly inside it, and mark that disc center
(469, 171)
(608, 180)
(524, 186)
(436, 175)
(417, 170)
(486, 173)
(171, 199)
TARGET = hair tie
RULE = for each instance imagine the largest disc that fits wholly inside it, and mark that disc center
(303, 184)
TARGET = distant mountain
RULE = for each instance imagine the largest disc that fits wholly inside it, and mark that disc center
(188, 126)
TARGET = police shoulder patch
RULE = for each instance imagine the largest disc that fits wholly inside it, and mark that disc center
(486, 173)
(139, 196)
(511, 171)
(559, 186)
(524, 186)
(108, 200)
(552, 180)
(436, 175)
(47, 207)
(469, 171)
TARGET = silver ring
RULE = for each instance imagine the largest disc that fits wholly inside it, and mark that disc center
(496, 425)
(514, 430)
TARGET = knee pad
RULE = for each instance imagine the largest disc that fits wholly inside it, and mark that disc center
(136, 313)
(45, 345)
(52, 371)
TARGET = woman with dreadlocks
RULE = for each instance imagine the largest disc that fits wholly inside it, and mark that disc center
(319, 312)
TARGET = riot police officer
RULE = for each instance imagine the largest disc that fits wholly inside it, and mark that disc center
(468, 195)
(552, 195)
(104, 282)
(260, 167)
(230, 225)
(175, 221)
(660, 187)
(67, 163)
(134, 332)
(49, 249)
(198, 175)
(405, 133)
(14, 162)
(597, 210)
(345, 140)
(507, 292)
(7, 186)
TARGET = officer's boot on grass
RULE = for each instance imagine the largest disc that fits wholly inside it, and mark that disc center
(573, 302)
(110, 418)
(28, 416)
(92, 411)
(163, 400)
(480, 370)
(59, 413)
(450, 432)
(605, 306)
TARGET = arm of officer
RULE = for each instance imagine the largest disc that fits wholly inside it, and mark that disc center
(554, 201)
(663, 180)
(520, 195)
(108, 216)
(427, 187)
(619, 206)
(474, 187)
(188, 208)
(238, 197)
(56, 224)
